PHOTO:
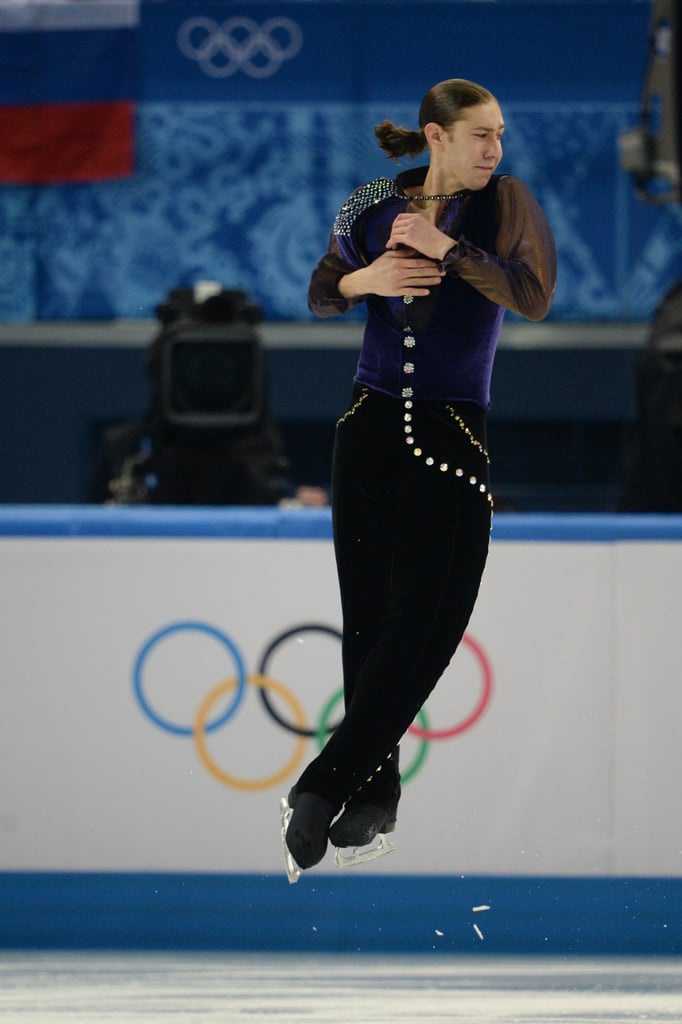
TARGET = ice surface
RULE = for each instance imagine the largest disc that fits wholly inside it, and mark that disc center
(49, 988)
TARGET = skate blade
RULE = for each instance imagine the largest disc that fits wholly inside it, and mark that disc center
(360, 855)
(292, 868)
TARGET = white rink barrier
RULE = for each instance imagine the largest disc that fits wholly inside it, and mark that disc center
(168, 673)
(550, 744)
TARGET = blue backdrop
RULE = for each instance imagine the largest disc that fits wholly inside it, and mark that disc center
(254, 122)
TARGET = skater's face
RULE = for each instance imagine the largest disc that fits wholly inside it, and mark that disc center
(466, 154)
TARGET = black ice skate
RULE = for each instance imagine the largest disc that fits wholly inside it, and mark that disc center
(305, 819)
(359, 825)
(369, 815)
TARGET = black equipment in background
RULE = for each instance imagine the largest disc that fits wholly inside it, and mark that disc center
(651, 152)
(208, 362)
(212, 377)
(208, 436)
(652, 480)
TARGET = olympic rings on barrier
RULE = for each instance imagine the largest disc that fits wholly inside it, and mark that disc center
(263, 670)
(183, 627)
(296, 723)
(454, 730)
(200, 730)
(240, 44)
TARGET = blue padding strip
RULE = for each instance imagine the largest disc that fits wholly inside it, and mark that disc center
(342, 913)
(595, 527)
(304, 524)
(90, 521)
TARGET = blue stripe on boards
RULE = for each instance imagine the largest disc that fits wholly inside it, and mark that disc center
(307, 524)
(342, 913)
(234, 522)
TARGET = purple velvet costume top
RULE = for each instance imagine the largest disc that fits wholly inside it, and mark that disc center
(441, 346)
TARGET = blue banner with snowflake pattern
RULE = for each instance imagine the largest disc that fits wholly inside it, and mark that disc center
(255, 122)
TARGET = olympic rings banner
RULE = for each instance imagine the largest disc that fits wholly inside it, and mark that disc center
(239, 44)
(161, 694)
(210, 716)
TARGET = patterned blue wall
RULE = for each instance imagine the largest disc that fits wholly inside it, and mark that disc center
(239, 177)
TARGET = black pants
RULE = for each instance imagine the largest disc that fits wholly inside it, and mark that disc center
(411, 535)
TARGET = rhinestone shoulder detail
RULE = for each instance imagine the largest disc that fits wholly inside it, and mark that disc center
(363, 197)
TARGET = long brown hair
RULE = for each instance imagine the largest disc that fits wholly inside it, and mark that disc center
(443, 104)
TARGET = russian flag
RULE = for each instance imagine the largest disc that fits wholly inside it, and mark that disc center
(68, 82)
